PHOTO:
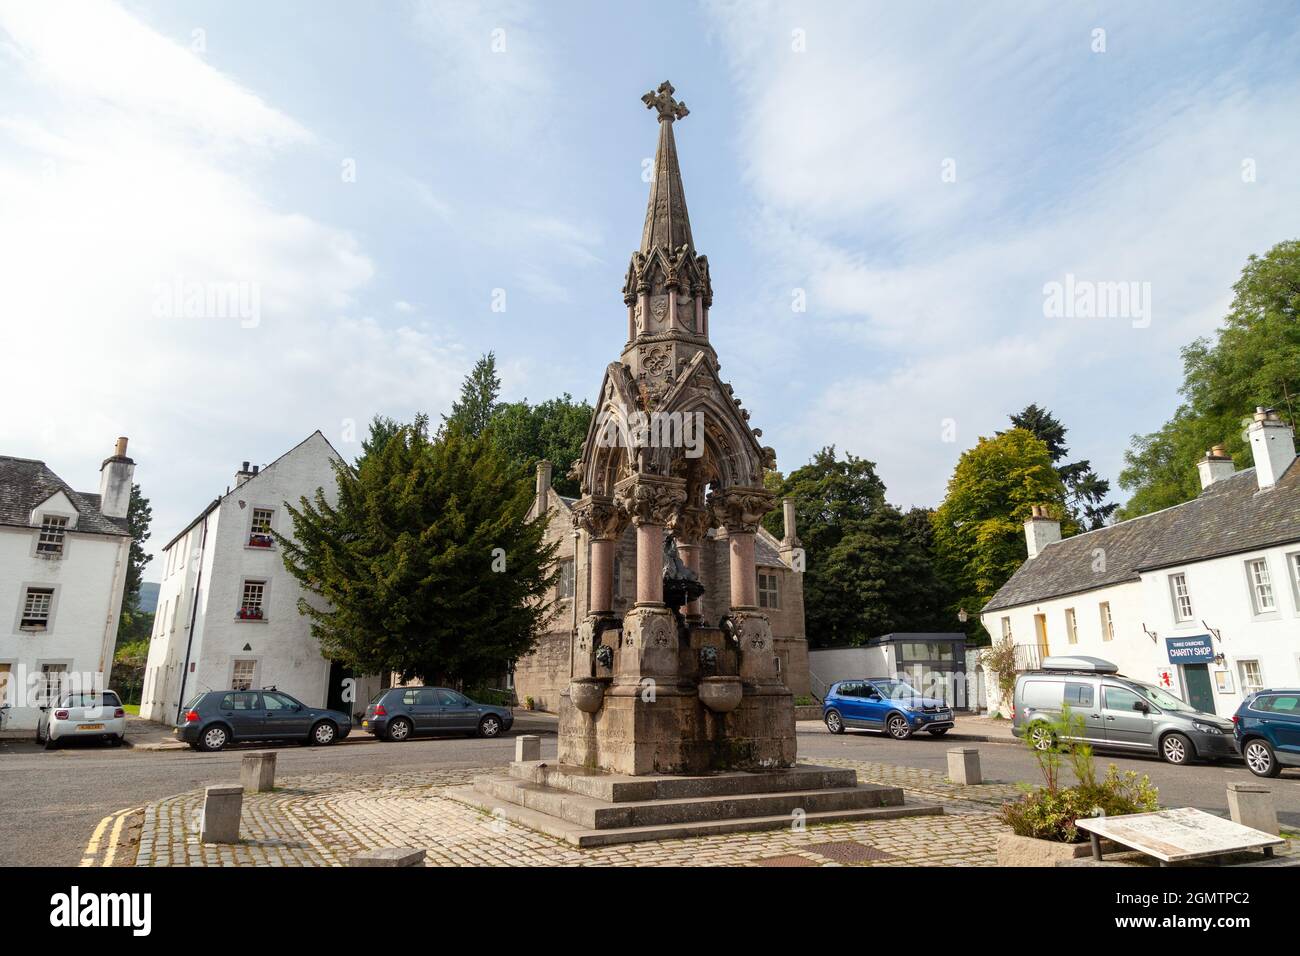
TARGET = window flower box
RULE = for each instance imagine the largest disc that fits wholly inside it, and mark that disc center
(260, 541)
(250, 614)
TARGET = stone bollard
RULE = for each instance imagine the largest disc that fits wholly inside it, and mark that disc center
(389, 856)
(528, 747)
(1251, 805)
(257, 772)
(964, 765)
(222, 807)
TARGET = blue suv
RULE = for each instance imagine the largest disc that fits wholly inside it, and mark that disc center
(892, 706)
(1267, 729)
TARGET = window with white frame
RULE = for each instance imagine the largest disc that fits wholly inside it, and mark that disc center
(1182, 598)
(564, 587)
(1261, 586)
(1071, 626)
(1107, 622)
(259, 529)
(242, 673)
(769, 590)
(50, 540)
(38, 608)
(1252, 678)
(1006, 627)
(1293, 563)
(252, 607)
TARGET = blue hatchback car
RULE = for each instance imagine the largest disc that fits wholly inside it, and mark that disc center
(1267, 729)
(892, 706)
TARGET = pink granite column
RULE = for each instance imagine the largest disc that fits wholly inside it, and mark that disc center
(744, 581)
(649, 563)
(602, 575)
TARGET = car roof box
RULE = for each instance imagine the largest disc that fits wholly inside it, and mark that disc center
(1080, 663)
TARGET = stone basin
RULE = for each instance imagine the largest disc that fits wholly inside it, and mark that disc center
(721, 694)
(587, 693)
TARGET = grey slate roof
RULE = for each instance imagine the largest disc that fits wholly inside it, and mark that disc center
(25, 483)
(1229, 517)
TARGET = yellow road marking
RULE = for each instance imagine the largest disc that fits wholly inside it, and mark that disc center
(117, 832)
(92, 848)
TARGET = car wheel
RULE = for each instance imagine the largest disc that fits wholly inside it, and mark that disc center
(50, 742)
(898, 727)
(116, 741)
(399, 729)
(834, 722)
(1260, 759)
(324, 734)
(1176, 749)
(1041, 737)
(940, 731)
(214, 738)
(489, 726)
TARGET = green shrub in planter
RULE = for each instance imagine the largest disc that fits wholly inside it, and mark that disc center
(1048, 812)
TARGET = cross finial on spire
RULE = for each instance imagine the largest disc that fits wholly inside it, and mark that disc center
(662, 100)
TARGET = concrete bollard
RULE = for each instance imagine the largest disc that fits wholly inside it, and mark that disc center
(389, 856)
(528, 747)
(964, 765)
(222, 807)
(1251, 805)
(257, 772)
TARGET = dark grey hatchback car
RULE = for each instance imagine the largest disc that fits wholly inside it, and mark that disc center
(401, 713)
(216, 718)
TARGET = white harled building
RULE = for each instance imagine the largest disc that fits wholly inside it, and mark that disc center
(64, 555)
(1202, 598)
(228, 608)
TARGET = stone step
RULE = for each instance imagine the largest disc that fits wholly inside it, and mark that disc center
(583, 837)
(623, 788)
(596, 814)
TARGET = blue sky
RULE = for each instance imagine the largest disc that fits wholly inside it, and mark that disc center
(501, 146)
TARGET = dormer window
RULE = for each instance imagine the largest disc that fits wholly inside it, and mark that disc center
(259, 531)
(50, 540)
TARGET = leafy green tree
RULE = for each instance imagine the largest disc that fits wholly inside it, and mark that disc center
(1086, 491)
(139, 515)
(427, 565)
(870, 568)
(979, 527)
(554, 430)
(478, 398)
(1252, 360)
(383, 428)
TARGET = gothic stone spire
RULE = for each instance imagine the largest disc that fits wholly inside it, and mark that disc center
(666, 222)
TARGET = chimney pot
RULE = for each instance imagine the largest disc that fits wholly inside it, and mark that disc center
(119, 449)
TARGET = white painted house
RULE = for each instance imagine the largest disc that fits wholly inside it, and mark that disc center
(64, 555)
(228, 608)
(1203, 597)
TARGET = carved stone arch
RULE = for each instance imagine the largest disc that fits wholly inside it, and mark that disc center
(607, 458)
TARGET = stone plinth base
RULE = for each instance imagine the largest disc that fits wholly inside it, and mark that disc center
(594, 808)
(643, 729)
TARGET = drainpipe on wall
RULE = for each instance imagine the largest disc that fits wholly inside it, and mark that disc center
(194, 610)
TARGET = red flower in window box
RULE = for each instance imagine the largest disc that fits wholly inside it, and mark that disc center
(260, 541)
(250, 613)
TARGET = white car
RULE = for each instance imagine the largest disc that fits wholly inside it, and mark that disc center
(98, 716)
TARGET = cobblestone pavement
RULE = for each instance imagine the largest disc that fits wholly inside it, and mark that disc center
(323, 820)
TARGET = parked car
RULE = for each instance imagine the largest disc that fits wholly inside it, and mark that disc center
(97, 716)
(1267, 729)
(215, 718)
(1115, 712)
(401, 713)
(892, 706)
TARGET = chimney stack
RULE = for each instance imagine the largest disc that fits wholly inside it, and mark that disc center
(1215, 466)
(1040, 530)
(243, 474)
(790, 538)
(115, 477)
(1272, 442)
(543, 485)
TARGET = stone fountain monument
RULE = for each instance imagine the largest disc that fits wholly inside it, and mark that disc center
(673, 725)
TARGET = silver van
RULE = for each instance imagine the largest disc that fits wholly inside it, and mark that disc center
(1118, 713)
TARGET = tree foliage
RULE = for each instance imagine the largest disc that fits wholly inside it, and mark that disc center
(479, 393)
(427, 565)
(1085, 490)
(1252, 360)
(553, 430)
(139, 515)
(869, 567)
(979, 527)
